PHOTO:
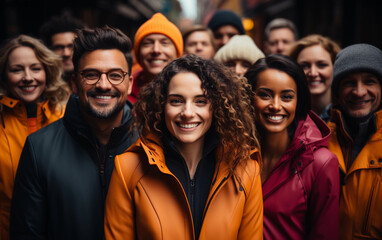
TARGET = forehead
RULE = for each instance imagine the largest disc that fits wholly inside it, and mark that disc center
(103, 59)
(63, 38)
(185, 83)
(22, 55)
(198, 36)
(281, 33)
(156, 37)
(225, 29)
(276, 80)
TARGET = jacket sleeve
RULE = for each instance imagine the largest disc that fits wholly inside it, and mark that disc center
(251, 226)
(28, 210)
(119, 213)
(324, 198)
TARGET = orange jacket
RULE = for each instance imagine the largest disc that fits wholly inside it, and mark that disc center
(146, 201)
(14, 130)
(361, 190)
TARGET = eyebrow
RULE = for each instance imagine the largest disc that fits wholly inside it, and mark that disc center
(283, 91)
(178, 95)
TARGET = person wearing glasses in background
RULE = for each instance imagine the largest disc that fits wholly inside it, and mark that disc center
(58, 34)
(65, 168)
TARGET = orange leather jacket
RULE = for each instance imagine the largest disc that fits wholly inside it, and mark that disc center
(146, 201)
(14, 130)
(361, 190)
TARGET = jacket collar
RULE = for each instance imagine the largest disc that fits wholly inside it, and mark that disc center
(77, 125)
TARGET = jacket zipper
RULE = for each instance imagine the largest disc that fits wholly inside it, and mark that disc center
(370, 203)
(213, 195)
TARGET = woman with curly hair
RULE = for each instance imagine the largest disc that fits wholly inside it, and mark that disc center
(194, 172)
(300, 176)
(32, 95)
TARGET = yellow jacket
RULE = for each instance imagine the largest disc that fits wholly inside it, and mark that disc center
(361, 190)
(146, 201)
(14, 130)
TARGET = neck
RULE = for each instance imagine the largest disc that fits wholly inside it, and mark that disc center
(102, 128)
(319, 102)
(192, 154)
(273, 148)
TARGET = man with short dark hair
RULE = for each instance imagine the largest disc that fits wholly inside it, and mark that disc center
(356, 125)
(65, 168)
(58, 34)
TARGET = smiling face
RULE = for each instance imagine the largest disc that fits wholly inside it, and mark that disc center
(199, 43)
(155, 52)
(188, 112)
(280, 40)
(25, 74)
(275, 100)
(359, 94)
(318, 67)
(102, 100)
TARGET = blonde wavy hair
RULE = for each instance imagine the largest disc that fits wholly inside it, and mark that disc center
(57, 91)
(230, 97)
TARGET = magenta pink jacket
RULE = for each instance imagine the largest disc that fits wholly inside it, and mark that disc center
(301, 194)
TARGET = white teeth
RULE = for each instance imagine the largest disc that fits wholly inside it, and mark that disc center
(314, 83)
(188, 125)
(157, 61)
(275, 118)
(28, 88)
(103, 97)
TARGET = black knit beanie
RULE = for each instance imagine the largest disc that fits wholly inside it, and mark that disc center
(225, 17)
(356, 58)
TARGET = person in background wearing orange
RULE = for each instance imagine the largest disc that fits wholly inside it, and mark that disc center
(316, 55)
(157, 42)
(32, 95)
(194, 172)
(199, 40)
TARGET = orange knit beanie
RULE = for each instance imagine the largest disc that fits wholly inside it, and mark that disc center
(158, 23)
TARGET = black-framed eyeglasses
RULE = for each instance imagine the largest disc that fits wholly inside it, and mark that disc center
(92, 76)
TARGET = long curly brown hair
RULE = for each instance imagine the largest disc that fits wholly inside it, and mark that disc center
(230, 97)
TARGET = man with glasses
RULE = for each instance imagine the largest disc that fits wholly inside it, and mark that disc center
(65, 168)
(58, 34)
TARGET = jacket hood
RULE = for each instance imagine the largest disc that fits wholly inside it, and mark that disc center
(311, 133)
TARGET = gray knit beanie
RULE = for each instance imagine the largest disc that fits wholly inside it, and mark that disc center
(239, 47)
(356, 58)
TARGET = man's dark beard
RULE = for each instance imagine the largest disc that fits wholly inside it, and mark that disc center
(103, 115)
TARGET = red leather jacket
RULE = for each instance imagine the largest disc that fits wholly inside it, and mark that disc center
(301, 194)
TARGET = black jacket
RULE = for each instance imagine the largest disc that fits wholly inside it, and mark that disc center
(63, 177)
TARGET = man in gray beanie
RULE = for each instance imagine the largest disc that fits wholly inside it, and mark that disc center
(356, 125)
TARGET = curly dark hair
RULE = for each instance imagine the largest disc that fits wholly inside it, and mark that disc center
(230, 97)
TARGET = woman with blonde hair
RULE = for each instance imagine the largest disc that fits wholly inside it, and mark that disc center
(316, 54)
(32, 95)
(194, 172)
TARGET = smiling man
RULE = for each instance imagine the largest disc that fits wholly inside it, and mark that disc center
(356, 123)
(65, 168)
(157, 43)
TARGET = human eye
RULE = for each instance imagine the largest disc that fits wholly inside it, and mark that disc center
(58, 47)
(371, 80)
(175, 101)
(15, 70)
(91, 74)
(287, 97)
(115, 75)
(230, 64)
(36, 68)
(263, 94)
(201, 101)
(322, 65)
(304, 66)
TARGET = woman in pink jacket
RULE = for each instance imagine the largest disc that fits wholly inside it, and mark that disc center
(300, 176)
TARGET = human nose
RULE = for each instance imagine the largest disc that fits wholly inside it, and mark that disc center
(240, 70)
(156, 47)
(103, 82)
(199, 46)
(188, 110)
(312, 71)
(27, 75)
(275, 104)
(360, 89)
(225, 39)
(67, 51)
